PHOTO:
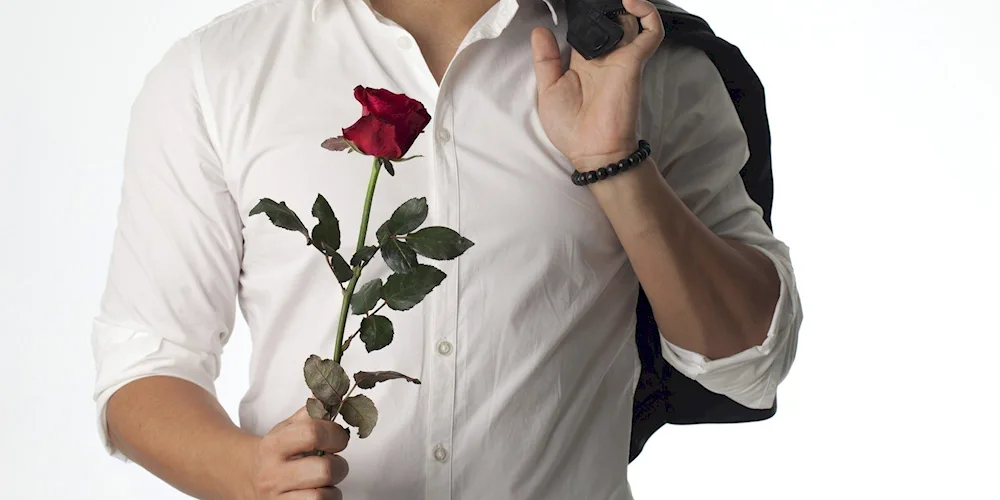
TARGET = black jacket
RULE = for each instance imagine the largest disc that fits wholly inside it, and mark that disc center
(664, 395)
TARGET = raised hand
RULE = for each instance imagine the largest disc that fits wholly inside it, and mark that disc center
(589, 111)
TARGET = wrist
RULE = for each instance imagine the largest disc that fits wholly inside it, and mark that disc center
(611, 165)
(238, 482)
(589, 163)
(626, 184)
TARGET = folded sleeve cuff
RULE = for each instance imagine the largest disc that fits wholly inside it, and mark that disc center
(124, 355)
(749, 377)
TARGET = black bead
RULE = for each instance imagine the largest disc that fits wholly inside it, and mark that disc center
(576, 178)
(591, 176)
(623, 165)
(613, 168)
(602, 173)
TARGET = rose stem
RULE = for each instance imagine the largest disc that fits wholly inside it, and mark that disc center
(341, 405)
(346, 302)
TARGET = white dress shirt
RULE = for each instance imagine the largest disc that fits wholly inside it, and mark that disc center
(526, 350)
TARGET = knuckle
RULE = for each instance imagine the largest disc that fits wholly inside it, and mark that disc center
(267, 443)
(305, 433)
(326, 470)
(309, 433)
(264, 483)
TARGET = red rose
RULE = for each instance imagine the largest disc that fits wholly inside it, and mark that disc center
(389, 123)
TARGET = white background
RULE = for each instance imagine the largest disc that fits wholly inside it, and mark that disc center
(886, 130)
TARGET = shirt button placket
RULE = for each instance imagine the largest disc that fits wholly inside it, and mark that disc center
(444, 348)
(440, 454)
(444, 312)
(443, 135)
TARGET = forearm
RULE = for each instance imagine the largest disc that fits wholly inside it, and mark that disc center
(178, 432)
(709, 295)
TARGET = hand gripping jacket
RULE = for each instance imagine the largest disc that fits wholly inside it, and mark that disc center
(663, 394)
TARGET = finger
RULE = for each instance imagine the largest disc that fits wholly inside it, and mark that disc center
(302, 414)
(311, 434)
(547, 60)
(313, 494)
(313, 472)
(651, 35)
(630, 25)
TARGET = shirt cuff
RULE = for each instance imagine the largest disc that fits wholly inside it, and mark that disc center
(123, 355)
(749, 377)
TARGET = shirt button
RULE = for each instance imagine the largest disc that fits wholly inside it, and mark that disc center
(444, 347)
(440, 454)
(444, 135)
(404, 42)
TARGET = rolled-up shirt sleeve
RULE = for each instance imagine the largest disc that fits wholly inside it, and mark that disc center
(705, 147)
(169, 303)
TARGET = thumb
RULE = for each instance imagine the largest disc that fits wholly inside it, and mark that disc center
(545, 53)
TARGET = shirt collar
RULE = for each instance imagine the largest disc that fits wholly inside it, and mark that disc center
(317, 4)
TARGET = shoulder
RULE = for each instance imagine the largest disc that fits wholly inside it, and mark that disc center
(246, 29)
(679, 65)
(239, 17)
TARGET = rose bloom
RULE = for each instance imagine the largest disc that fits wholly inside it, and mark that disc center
(389, 123)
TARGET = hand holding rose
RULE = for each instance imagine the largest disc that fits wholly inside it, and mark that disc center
(284, 466)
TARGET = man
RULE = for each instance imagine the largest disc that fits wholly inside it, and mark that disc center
(526, 351)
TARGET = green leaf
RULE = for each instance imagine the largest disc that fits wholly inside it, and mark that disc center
(326, 234)
(388, 166)
(341, 270)
(382, 233)
(438, 243)
(365, 298)
(367, 380)
(361, 257)
(280, 215)
(376, 332)
(321, 210)
(398, 255)
(359, 411)
(317, 409)
(402, 291)
(327, 380)
(406, 218)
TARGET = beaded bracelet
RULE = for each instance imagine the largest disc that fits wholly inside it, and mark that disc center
(584, 178)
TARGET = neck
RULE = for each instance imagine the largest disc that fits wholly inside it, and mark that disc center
(433, 12)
